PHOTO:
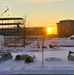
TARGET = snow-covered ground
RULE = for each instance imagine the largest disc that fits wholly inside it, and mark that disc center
(55, 62)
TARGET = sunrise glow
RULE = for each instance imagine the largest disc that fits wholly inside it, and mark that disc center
(48, 30)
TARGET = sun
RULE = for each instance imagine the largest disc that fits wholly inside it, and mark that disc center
(48, 30)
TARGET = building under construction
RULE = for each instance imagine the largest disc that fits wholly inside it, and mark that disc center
(11, 29)
(15, 33)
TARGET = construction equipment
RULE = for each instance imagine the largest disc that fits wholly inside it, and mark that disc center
(4, 11)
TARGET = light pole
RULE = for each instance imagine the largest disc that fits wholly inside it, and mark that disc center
(43, 48)
(42, 53)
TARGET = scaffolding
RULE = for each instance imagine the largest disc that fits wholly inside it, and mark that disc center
(13, 31)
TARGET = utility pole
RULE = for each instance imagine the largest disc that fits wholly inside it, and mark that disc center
(42, 53)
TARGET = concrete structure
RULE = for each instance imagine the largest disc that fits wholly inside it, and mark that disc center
(10, 28)
(14, 33)
(65, 28)
(35, 32)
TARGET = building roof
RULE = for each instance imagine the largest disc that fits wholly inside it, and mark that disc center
(66, 20)
(11, 18)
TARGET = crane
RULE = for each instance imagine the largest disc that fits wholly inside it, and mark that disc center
(4, 11)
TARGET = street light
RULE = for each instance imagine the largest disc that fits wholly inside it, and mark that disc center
(42, 52)
(48, 31)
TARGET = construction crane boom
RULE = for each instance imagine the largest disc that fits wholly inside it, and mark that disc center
(4, 11)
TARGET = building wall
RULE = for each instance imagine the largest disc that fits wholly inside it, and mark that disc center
(36, 31)
(65, 28)
(28, 33)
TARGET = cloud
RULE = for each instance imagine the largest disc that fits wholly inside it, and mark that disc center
(48, 0)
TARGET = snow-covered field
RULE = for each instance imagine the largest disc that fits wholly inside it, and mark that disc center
(55, 62)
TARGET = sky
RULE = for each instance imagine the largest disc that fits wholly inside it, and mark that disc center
(39, 13)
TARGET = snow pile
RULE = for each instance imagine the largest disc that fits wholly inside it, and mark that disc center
(52, 59)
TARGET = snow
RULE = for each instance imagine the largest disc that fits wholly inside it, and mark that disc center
(55, 61)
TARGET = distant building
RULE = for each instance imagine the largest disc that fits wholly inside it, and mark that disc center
(35, 32)
(65, 28)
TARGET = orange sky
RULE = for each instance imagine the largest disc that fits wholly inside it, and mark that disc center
(40, 13)
(53, 29)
